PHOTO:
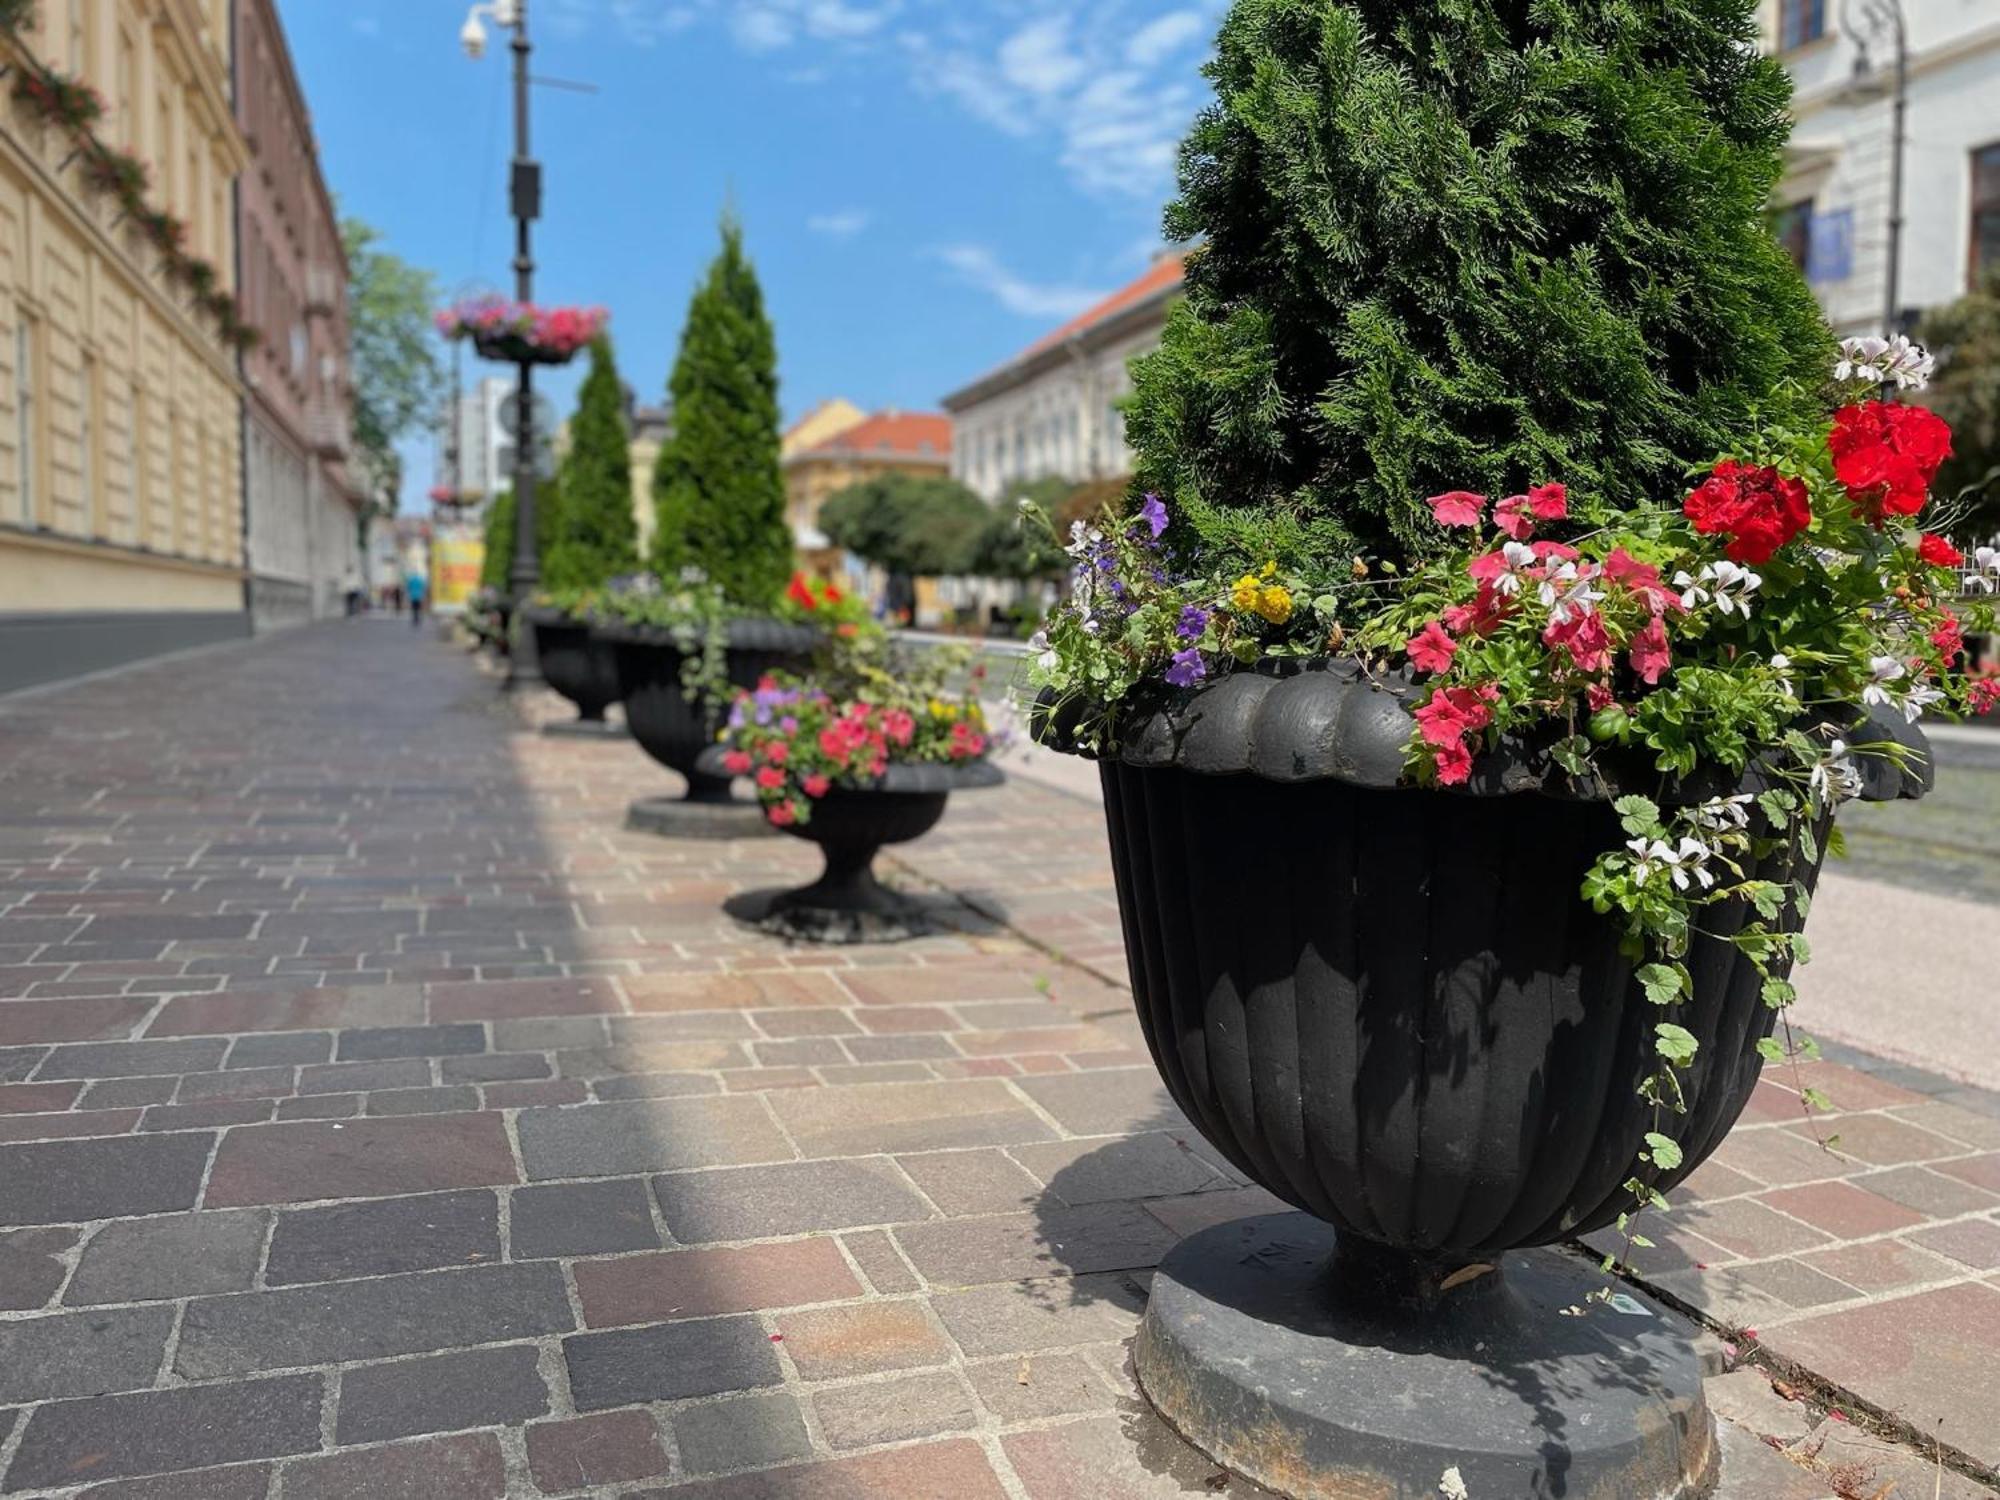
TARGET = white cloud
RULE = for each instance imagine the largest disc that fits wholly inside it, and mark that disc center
(644, 22)
(1040, 59)
(760, 29)
(978, 266)
(832, 20)
(843, 224)
(1153, 44)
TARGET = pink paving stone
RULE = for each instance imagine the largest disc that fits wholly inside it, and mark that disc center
(1974, 1243)
(1842, 1210)
(974, 1067)
(706, 1283)
(1881, 1265)
(373, 1158)
(1928, 1357)
(505, 999)
(106, 1018)
(289, 1010)
(574, 1455)
(73, 1126)
(940, 984)
(673, 992)
(1980, 1171)
(1780, 1158)
(1118, 1458)
(1749, 1228)
(1042, 1063)
(1032, 1040)
(34, 1098)
(1848, 1088)
(952, 1470)
(1885, 1141)
(809, 1021)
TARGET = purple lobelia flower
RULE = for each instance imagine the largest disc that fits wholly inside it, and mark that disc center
(1154, 514)
(1188, 668)
(1194, 620)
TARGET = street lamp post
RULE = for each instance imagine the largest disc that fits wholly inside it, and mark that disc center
(526, 192)
(1879, 18)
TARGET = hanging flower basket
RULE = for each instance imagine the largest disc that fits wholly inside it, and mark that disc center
(56, 99)
(521, 332)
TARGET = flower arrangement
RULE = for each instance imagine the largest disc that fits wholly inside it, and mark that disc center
(810, 600)
(16, 14)
(58, 99)
(116, 174)
(799, 739)
(553, 332)
(1802, 582)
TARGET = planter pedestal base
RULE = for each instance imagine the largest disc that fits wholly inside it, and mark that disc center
(587, 729)
(698, 818)
(840, 907)
(1325, 1374)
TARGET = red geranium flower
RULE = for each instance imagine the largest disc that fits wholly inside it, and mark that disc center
(1938, 552)
(1431, 650)
(1650, 656)
(736, 762)
(816, 786)
(1887, 455)
(800, 592)
(770, 778)
(1949, 638)
(1758, 509)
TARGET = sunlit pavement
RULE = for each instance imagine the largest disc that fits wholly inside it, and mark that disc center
(378, 1118)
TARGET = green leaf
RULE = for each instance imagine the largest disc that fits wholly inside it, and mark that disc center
(1808, 845)
(1816, 1100)
(1801, 951)
(1778, 993)
(1664, 983)
(1640, 1242)
(1778, 805)
(1771, 1050)
(1768, 899)
(1665, 1151)
(1676, 1044)
(1572, 754)
(1637, 815)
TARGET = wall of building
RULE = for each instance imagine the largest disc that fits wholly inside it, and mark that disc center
(120, 427)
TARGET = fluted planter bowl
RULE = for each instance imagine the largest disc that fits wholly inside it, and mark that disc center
(576, 661)
(670, 728)
(1389, 1005)
(512, 349)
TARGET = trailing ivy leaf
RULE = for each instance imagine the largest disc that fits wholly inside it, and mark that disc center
(1801, 951)
(1640, 1242)
(1809, 1048)
(1676, 1043)
(1664, 983)
(1778, 993)
(1771, 1050)
(1778, 805)
(1816, 1100)
(1802, 901)
(1572, 754)
(1808, 845)
(1836, 842)
(1768, 899)
(1665, 1150)
(1638, 815)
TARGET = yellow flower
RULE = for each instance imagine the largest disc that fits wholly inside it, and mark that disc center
(975, 716)
(1275, 604)
(943, 710)
(1245, 594)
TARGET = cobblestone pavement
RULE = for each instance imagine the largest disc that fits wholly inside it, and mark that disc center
(378, 1119)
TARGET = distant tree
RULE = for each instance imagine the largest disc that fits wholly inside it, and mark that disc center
(1965, 336)
(594, 535)
(499, 557)
(392, 355)
(717, 485)
(1007, 549)
(907, 526)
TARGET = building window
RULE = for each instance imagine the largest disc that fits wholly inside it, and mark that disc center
(26, 413)
(1793, 226)
(1799, 22)
(1985, 212)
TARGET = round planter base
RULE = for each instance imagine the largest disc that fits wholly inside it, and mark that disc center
(692, 818)
(847, 911)
(587, 729)
(1320, 1377)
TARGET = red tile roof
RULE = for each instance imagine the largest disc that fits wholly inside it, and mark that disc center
(1164, 275)
(898, 434)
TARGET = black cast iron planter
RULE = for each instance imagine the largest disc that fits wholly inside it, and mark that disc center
(675, 731)
(1391, 1007)
(512, 349)
(847, 904)
(578, 663)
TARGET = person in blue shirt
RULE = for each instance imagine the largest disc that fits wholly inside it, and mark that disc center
(416, 584)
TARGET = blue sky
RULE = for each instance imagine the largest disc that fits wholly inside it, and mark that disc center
(926, 185)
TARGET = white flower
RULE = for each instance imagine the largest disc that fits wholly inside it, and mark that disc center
(1985, 562)
(1729, 584)
(1567, 592)
(1882, 671)
(1046, 657)
(1836, 778)
(1723, 813)
(1782, 665)
(1919, 698)
(1876, 360)
(1860, 359)
(1692, 593)
(1691, 862)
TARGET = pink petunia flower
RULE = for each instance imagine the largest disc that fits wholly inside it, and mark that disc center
(1431, 650)
(1458, 508)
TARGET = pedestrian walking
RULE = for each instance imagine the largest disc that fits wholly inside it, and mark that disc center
(415, 586)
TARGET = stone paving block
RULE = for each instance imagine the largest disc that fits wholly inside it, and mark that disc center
(744, 1203)
(616, 1140)
(889, 1049)
(501, 1067)
(655, 1086)
(1048, 1385)
(488, 1000)
(360, 1077)
(1753, 1470)
(865, 1338)
(160, 1432)
(386, 1237)
(1028, 1319)
(177, 1255)
(210, 1116)
(1979, 1132)
(906, 1117)
(1749, 1228)
(887, 1020)
(1746, 1398)
(1974, 1243)
(441, 1393)
(320, 1107)
(893, 1411)
(880, 1261)
(1113, 1103)
(64, 1182)
(175, 927)
(16, 1063)
(237, 1482)
(237, 1083)
(1793, 1282)
(1186, 1216)
(297, 1163)
(120, 1093)
(465, 1467)
(382, 1043)
(1103, 1171)
(282, 1048)
(290, 1009)
(657, 1057)
(677, 992)
(71, 1020)
(549, 1033)
(670, 1362)
(70, 1126)
(1982, 1172)
(1928, 1191)
(981, 1181)
(742, 1432)
(581, 1218)
(1054, 1242)
(612, 1448)
(439, 1101)
(1843, 1210)
(952, 1470)
(132, 1059)
(805, 1052)
(81, 1353)
(1133, 1456)
(703, 1283)
(1885, 1141)
(31, 1267)
(1877, 1266)
(537, 1094)
(1927, 1356)
(376, 1319)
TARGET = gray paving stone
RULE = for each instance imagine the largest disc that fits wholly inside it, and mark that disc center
(864, 1118)
(745, 1203)
(31, 1266)
(616, 1140)
(669, 1362)
(169, 927)
(548, 1034)
(123, 1093)
(345, 1078)
(423, 1101)
(497, 1067)
(580, 1218)
(158, 1432)
(744, 1432)
(376, 1319)
(1120, 1102)
(16, 1063)
(82, 1353)
(179, 1255)
(381, 1043)
(70, 1182)
(133, 1059)
(235, 1083)
(468, 1466)
(384, 1237)
(280, 1048)
(655, 1086)
(1053, 1242)
(236, 1482)
(443, 1393)
(890, 1411)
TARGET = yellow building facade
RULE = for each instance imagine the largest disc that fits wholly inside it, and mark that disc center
(121, 510)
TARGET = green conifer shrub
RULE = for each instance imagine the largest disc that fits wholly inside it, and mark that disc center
(717, 485)
(595, 537)
(1469, 244)
(498, 564)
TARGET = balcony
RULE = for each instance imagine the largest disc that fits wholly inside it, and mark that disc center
(328, 431)
(323, 291)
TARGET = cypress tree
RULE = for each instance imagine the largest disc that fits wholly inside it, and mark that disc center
(498, 563)
(1469, 244)
(595, 538)
(720, 495)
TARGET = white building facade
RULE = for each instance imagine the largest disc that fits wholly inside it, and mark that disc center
(1052, 411)
(1834, 206)
(485, 446)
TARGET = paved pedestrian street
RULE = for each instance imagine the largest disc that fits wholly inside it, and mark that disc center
(378, 1118)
